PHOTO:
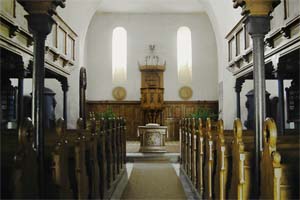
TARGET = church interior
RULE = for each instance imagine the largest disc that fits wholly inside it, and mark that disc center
(150, 99)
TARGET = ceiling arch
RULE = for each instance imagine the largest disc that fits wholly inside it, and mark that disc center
(151, 6)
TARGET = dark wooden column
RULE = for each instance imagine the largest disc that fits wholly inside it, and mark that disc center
(39, 24)
(65, 89)
(281, 113)
(238, 88)
(20, 100)
(82, 98)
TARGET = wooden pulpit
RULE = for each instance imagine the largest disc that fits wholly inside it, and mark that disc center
(152, 92)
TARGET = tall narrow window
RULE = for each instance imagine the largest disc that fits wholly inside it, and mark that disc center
(184, 55)
(119, 55)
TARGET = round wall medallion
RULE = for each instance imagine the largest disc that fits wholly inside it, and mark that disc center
(185, 92)
(119, 93)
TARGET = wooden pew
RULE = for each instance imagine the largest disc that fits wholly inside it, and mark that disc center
(93, 170)
(80, 162)
(271, 169)
(243, 158)
(279, 165)
(183, 145)
(208, 161)
(199, 158)
(192, 151)
(9, 145)
(25, 184)
(114, 148)
(188, 147)
(75, 161)
(228, 158)
(118, 145)
(223, 158)
(108, 153)
(102, 162)
(60, 157)
(123, 128)
(221, 170)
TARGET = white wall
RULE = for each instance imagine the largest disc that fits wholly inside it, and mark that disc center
(142, 30)
(224, 17)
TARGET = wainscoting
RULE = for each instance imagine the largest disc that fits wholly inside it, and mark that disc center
(131, 110)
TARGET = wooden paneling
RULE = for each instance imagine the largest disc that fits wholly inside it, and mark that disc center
(131, 110)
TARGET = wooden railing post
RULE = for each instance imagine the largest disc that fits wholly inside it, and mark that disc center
(181, 143)
(108, 152)
(200, 159)
(121, 143)
(193, 150)
(208, 161)
(60, 157)
(184, 143)
(102, 158)
(93, 160)
(118, 143)
(186, 146)
(81, 176)
(124, 139)
(190, 147)
(221, 166)
(113, 147)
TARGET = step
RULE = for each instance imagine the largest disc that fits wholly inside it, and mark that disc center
(135, 157)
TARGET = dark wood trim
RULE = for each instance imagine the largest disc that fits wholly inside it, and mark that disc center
(112, 102)
(138, 102)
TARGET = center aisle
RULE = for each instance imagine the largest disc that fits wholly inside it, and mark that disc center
(153, 180)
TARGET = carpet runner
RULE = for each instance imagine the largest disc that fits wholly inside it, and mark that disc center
(155, 179)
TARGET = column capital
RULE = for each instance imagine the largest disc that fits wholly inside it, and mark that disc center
(40, 14)
(239, 84)
(64, 85)
(39, 24)
(46, 7)
(258, 25)
(256, 7)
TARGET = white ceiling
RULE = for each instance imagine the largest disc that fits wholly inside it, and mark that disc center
(150, 6)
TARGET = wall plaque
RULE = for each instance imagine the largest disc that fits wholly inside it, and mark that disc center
(119, 93)
(185, 92)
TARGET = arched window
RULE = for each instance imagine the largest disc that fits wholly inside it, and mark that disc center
(119, 55)
(184, 54)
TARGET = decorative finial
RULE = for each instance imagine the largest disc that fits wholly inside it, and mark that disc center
(152, 48)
